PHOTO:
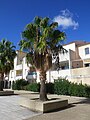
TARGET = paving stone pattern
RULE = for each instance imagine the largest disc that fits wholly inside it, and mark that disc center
(11, 110)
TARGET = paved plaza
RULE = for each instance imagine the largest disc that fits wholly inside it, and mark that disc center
(11, 110)
(78, 109)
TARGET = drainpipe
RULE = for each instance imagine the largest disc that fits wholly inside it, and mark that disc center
(70, 64)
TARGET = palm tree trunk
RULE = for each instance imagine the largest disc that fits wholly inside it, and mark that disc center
(43, 94)
(1, 81)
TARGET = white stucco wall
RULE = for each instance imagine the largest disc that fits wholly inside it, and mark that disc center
(64, 57)
(67, 55)
(82, 51)
(70, 46)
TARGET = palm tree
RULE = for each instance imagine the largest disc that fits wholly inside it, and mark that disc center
(7, 55)
(42, 40)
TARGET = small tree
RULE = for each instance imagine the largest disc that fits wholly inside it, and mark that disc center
(42, 40)
(7, 55)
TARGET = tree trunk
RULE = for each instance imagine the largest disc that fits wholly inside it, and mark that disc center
(43, 94)
(1, 81)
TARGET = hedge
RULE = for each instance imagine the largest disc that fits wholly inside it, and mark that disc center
(50, 88)
(35, 87)
(61, 86)
(64, 87)
(19, 84)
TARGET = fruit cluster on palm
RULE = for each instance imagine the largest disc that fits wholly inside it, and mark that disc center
(42, 41)
(7, 55)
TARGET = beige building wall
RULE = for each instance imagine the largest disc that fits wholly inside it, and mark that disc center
(81, 75)
(77, 64)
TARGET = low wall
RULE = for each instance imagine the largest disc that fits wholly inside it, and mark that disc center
(80, 75)
(77, 75)
(43, 106)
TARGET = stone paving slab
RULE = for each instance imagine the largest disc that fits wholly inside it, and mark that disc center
(11, 110)
(78, 109)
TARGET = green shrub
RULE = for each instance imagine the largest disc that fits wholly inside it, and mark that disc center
(81, 90)
(64, 87)
(77, 90)
(61, 86)
(35, 87)
(50, 88)
(87, 91)
(72, 90)
(19, 84)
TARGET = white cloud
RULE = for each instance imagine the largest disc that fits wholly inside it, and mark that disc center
(65, 20)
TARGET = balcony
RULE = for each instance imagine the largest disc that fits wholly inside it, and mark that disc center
(64, 57)
(31, 75)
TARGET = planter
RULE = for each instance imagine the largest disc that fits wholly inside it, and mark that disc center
(43, 106)
(3, 93)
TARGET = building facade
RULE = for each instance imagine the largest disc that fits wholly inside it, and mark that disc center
(74, 65)
(21, 69)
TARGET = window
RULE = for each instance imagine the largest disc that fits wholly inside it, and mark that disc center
(86, 51)
(18, 72)
(87, 65)
(32, 73)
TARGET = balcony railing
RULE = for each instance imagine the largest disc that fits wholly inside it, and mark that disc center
(31, 75)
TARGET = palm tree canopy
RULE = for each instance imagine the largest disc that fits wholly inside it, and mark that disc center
(7, 55)
(42, 40)
(41, 37)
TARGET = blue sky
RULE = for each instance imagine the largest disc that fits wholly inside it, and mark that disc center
(72, 15)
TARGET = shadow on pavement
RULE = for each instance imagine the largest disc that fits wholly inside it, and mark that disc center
(69, 106)
(84, 101)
